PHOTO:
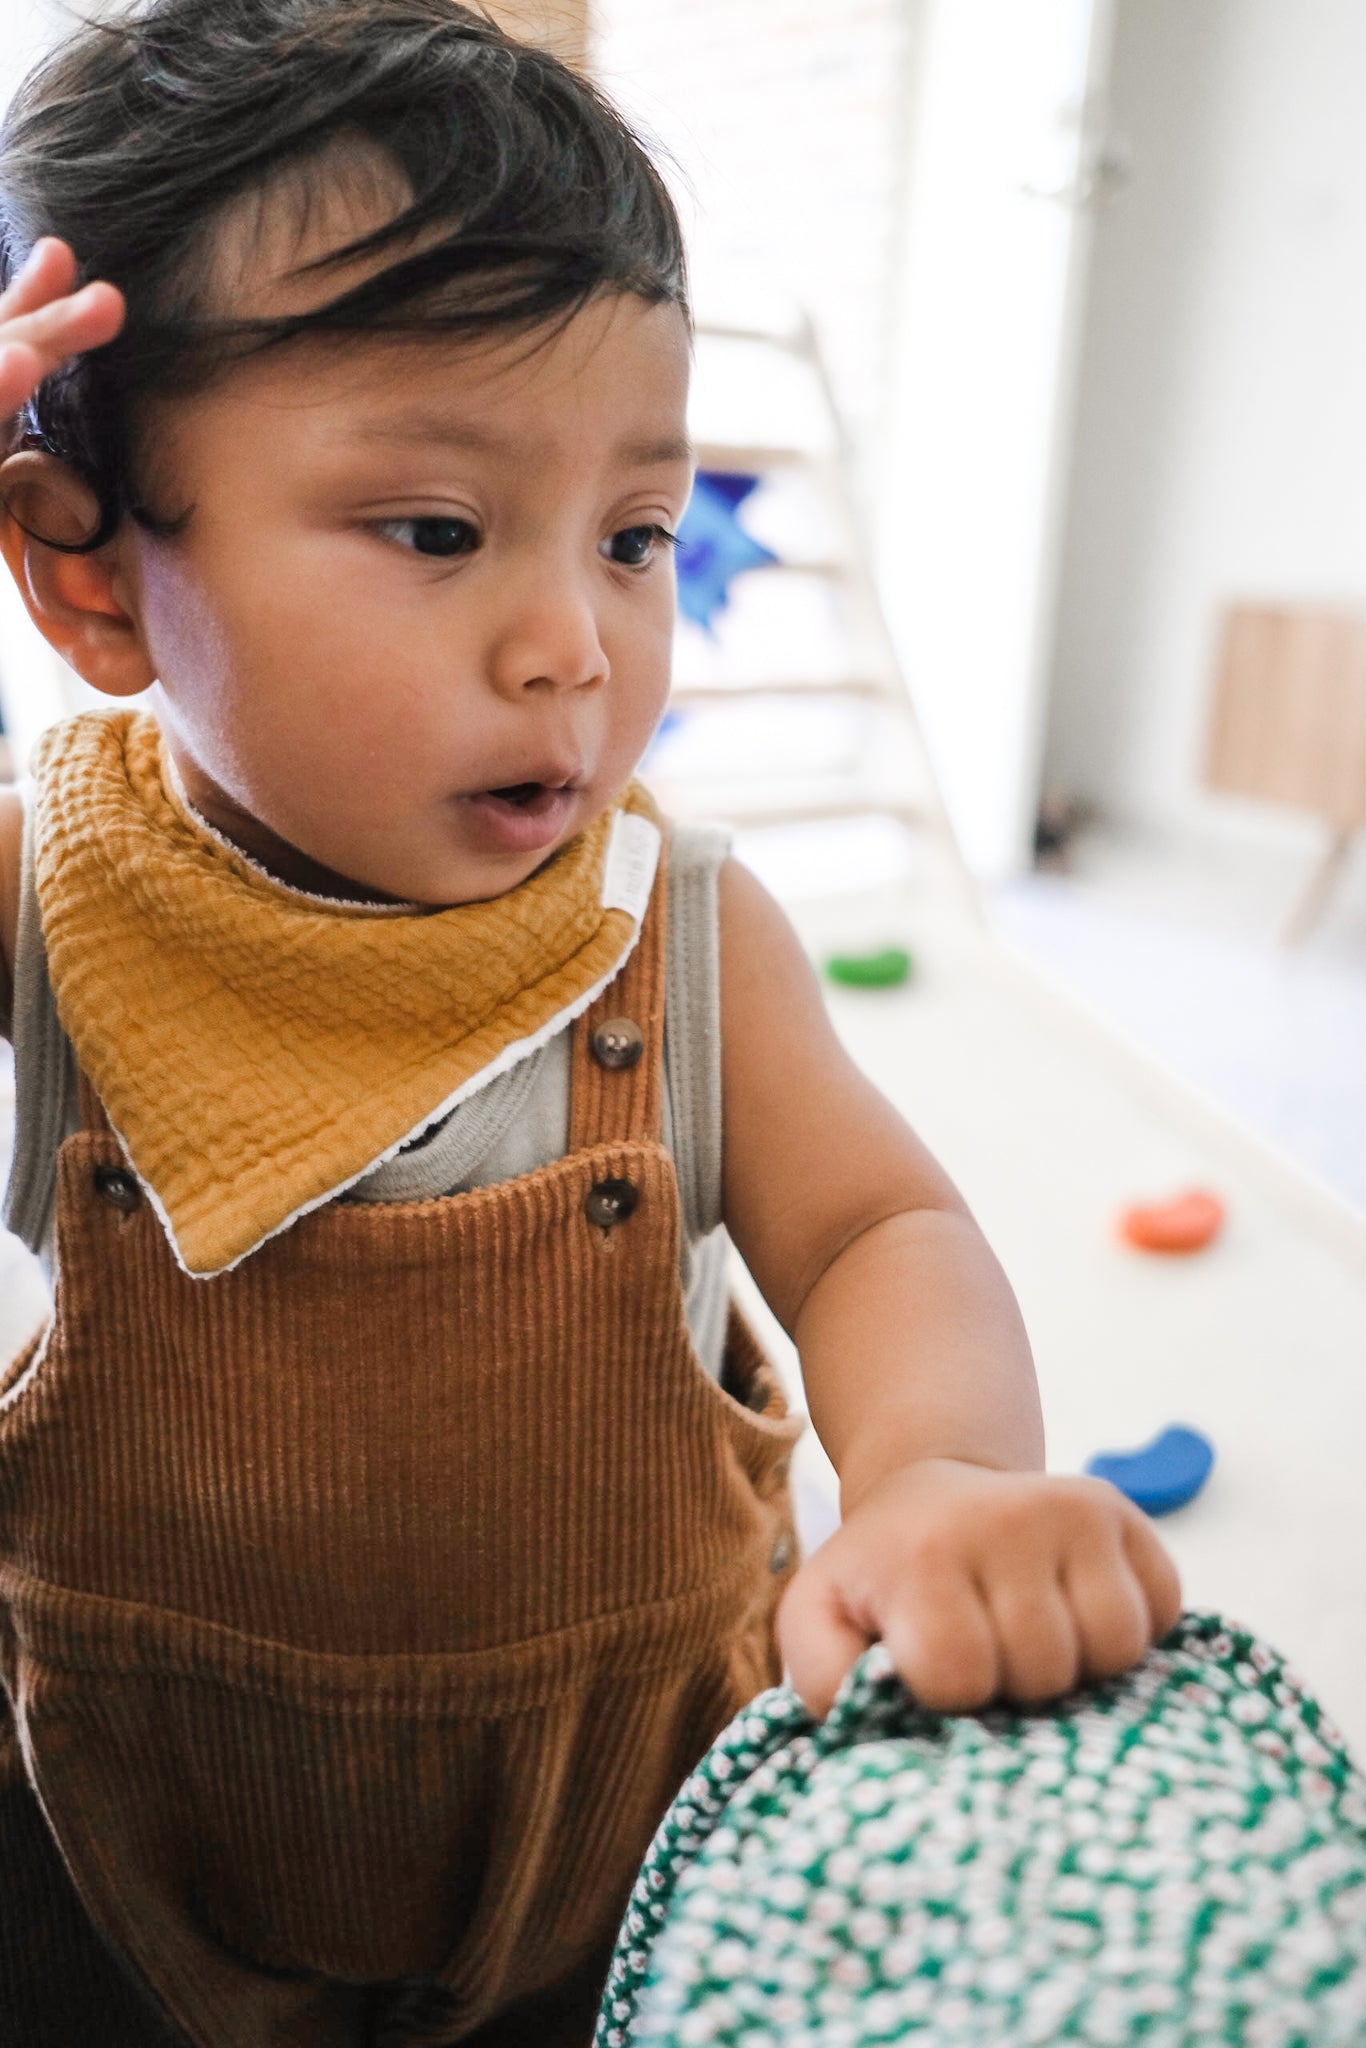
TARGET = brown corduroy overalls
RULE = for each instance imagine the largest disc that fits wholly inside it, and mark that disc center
(363, 1607)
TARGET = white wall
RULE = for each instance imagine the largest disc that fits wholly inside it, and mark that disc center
(994, 264)
(877, 158)
(1221, 445)
(783, 120)
(27, 27)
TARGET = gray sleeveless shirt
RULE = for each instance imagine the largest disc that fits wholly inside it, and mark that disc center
(516, 1124)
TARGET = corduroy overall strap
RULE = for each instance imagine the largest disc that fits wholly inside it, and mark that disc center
(615, 1090)
(93, 1116)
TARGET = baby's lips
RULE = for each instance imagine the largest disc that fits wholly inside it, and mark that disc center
(1187, 1223)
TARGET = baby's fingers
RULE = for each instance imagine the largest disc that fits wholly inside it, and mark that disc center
(1156, 1574)
(818, 1638)
(1114, 1628)
(66, 326)
(1124, 1594)
(1037, 1638)
(942, 1643)
(43, 323)
(48, 273)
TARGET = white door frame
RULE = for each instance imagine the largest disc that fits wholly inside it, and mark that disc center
(1006, 139)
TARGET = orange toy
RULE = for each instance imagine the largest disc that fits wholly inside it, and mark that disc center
(1187, 1223)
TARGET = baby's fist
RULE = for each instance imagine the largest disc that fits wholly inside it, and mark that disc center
(982, 1584)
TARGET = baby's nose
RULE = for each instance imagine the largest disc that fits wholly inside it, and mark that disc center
(551, 641)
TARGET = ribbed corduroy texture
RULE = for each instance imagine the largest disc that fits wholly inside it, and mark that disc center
(365, 1606)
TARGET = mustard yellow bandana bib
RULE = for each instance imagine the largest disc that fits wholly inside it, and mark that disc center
(258, 1050)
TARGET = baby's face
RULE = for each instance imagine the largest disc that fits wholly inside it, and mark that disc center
(416, 632)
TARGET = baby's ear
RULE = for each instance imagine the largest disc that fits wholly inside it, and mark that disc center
(77, 602)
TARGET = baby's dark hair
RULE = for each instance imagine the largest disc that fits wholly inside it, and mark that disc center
(529, 193)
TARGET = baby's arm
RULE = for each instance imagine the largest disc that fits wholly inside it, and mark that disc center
(42, 323)
(982, 1575)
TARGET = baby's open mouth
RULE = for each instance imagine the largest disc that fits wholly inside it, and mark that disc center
(524, 816)
(519, 792)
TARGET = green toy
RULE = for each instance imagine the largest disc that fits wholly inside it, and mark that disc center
(888, 968)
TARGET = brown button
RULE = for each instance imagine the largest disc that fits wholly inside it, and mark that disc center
(780, 1557)
(609, 1202)
(117, 1187)
(617, 1043)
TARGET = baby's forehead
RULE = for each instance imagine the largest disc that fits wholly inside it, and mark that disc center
(574, 402)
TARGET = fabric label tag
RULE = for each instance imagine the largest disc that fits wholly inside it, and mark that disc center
(628, 872)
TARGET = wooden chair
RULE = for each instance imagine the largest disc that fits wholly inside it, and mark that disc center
(1288, 725)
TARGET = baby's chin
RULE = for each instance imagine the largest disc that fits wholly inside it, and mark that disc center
(471, 851)
(334, 868)
(425, 885)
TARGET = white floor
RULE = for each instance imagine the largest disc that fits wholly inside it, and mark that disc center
(1175, 941)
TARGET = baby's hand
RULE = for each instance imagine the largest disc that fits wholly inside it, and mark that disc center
(43, 322)
(982, 1584)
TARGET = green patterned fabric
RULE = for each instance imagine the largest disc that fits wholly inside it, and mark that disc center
(1176, 1858)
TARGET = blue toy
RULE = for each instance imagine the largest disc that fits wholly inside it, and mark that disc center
(713, 547)
(1162, 1476)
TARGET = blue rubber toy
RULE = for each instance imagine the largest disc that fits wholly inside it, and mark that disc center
(713, 547)
(1164, 1475)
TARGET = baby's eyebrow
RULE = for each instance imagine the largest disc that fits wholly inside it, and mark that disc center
(640, 454)
(423, 429)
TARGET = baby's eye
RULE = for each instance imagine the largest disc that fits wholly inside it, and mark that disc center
(634, 546)
(432, 533)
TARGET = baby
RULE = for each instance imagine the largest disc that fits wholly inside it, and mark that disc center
(394, 1510)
